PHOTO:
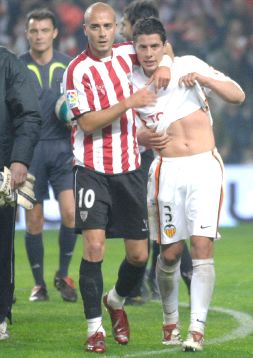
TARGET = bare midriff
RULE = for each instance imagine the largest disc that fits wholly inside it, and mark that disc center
(190, 135)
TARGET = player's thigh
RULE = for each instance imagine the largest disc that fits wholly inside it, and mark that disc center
(67, 207)
(204, 199)
(166, 193)
(60, 168)
(38, 168)
(201, 247)
(128, 214)
(92, 199)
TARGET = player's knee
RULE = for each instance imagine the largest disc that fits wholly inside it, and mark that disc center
(68, 217)
(138, 258)
(34, 225)
(164, 266)
(170, 258)
(94, 252)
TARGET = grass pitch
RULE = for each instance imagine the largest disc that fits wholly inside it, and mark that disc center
(56, 329)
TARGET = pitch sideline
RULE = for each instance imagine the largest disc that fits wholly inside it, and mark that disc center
(244, 328)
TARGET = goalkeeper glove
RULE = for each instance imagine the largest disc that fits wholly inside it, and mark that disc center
(7, 197)
(25, 194)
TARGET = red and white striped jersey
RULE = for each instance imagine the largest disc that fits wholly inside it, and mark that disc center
(92, 84)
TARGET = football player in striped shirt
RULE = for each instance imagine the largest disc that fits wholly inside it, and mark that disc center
(109, 187)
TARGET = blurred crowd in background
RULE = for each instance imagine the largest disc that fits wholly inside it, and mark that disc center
(217, 31)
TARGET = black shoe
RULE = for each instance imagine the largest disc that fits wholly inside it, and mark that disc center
(39, 293)
(67, 288)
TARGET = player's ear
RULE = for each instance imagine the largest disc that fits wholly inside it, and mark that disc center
(84, 29)
(55, 33)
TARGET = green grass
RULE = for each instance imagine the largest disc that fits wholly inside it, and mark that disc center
(57, 329)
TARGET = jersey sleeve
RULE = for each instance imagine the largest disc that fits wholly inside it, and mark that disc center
(205, 69)
(77, 90)
(126, 49)
(24, 110)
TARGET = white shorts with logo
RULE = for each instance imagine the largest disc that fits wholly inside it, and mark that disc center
(184, 197)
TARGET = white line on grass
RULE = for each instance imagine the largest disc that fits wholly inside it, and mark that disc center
(244, 328)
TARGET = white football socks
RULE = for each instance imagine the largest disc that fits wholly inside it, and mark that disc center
(168, 278)
(114, 300)
(95, 325)
(202, 285)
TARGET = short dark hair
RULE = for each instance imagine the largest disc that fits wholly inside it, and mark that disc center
(41, 14)
(149, 26)
(140, 9)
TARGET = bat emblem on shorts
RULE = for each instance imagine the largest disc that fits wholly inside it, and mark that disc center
(170, 230)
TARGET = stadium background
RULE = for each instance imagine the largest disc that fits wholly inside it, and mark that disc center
(218, 31)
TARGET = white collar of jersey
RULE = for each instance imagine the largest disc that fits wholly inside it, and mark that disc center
(106, 59)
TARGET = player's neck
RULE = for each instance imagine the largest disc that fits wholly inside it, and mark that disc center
(148, 73)
(42, 57)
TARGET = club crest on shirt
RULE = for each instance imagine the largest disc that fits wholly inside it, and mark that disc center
(169, 230)
(72, 98)
(83, 215)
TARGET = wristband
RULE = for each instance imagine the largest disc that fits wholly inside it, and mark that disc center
(166, 61)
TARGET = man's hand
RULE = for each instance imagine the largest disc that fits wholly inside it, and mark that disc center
(141, 98)
(190, 79)
(23, 193)
(160, 78)
(18, 174)
(152, 139)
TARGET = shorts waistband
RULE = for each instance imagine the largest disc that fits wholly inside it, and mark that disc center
(189, 158)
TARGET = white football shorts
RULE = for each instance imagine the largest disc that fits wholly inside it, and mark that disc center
(184, 197)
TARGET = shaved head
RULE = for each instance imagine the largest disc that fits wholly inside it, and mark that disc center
(100, 28)
(98, 7)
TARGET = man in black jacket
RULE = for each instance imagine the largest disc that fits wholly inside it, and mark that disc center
(19, 132)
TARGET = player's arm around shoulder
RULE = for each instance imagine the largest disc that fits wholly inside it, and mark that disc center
(226, 88)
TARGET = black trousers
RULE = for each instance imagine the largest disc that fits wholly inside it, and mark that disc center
(7, 232)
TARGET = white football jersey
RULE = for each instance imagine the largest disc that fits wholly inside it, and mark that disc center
(175, 102)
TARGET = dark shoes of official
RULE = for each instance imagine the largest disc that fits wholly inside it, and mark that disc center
(67, 288)
(39, 293)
